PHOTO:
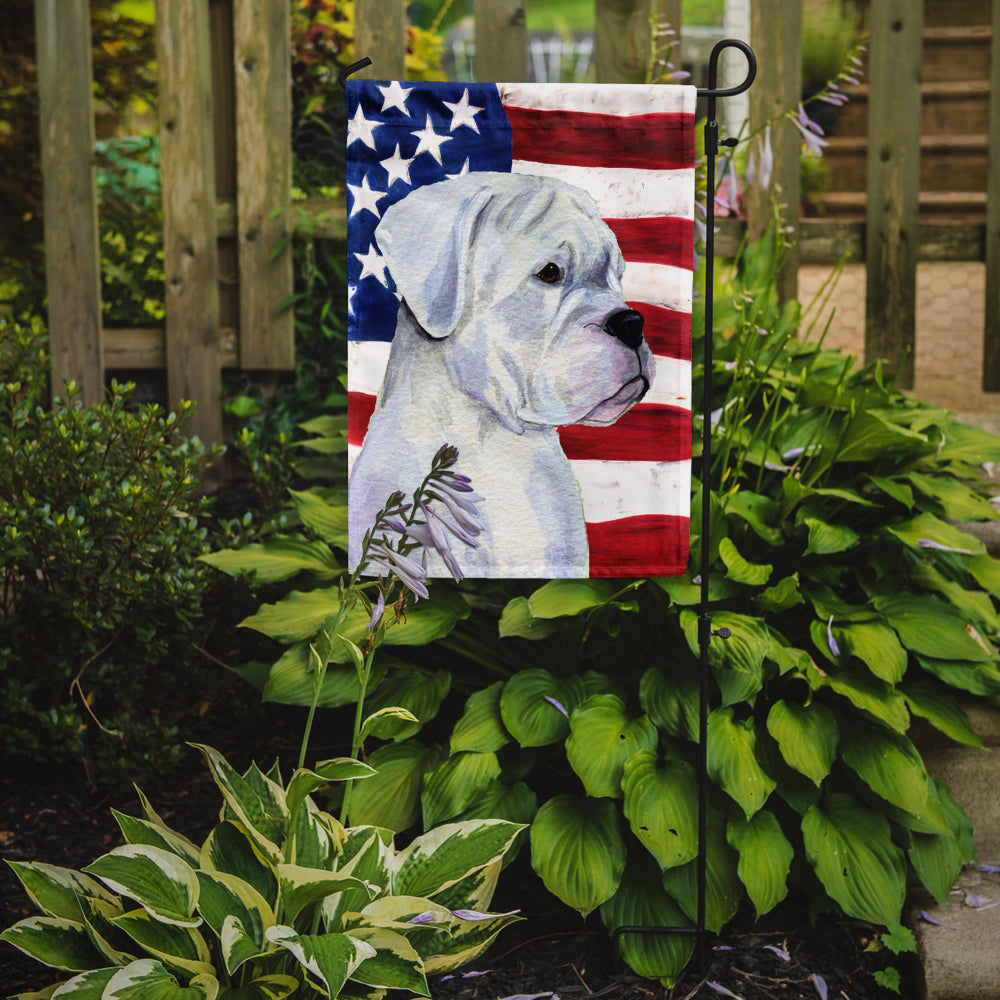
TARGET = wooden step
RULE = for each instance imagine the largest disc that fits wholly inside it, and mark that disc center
(957, 206)
(940, 13)
(956, 53)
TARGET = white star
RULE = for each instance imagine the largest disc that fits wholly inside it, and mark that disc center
(397, 168)
(372, 266)
(395, 97)
(364, 197)
(351, 289)
(464, 170)
(360, 128)
(463, 113)
(430, 141)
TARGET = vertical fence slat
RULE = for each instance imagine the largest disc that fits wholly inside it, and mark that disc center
(893, 183)
(991, 333)
(261, 56)
(501, 40)
(621, 40)
(776, 34)
(669, 12)
(190, 253)
(72, 257)
(380, 34)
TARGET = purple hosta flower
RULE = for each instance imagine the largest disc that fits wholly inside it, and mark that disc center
(834, 648)
(410, 572)
(820, 983)
(927, 543)
(558, 705)
(531, 996)
(727, 198)
(377, 611)
(811, 132)
(989, 869)
(475, 915)
(927, 918)
(466, 975)
(427, 917)
(761, 164)
(719, 988)
(780, 952)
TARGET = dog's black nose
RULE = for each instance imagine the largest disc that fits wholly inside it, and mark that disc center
(626, 326)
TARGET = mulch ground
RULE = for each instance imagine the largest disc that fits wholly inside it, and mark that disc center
(551, 952)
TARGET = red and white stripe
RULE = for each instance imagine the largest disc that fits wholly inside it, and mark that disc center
(632, 149)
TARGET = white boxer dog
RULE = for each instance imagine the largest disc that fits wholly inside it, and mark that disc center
(511, 323)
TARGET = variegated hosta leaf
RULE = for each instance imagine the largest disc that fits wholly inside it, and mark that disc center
(661, 799)
(850, 847)
(116, 946)
(481, 727)
(391, 799)
(230, 849)
(395, 964)
(807, 736)
(56, 891)
(86, 986)
(476, 890)
(466, 941)
(535, 706)
(367, 853)
(149, 980)
(456, 784)
(765, 858)
(329, 959)
(177, 947)
(578, 851)
(304, 782)
(732, 760)
(602, 737)
(274, 987)
(888, 763)
(54, 941)
(160, 882)
(315, 838)
(642, 902)
(417, 690)
(225, 897)
(300, 887)
(441, 857)
(141, 831)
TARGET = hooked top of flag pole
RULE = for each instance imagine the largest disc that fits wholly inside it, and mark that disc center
(712, 91)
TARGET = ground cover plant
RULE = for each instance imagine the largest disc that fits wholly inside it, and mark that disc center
(854, 604)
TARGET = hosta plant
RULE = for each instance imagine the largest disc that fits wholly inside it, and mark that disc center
(279, 900)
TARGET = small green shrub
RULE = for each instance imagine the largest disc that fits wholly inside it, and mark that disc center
(280, 899)
(99, 546)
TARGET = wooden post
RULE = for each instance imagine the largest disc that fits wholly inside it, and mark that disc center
(190, 254)
(991, 333)
(776, 35)
(261, 56)
(622, 40)
(380, 34)
(72, 255)
(893, 183)
(501, 40)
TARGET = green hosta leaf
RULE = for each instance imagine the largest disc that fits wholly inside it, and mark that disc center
(54, 941)
(164, 885)
(932, 628)
(661, 798)
(481, 728)
(807, 736)
(976, 605)
(976, 678)
(225, 897)
(260, 809)
(395, 964)
(965, 443)
(275, 987)
(893, 488)
(304, 782)
(758, 511)
(671, 700)
(928, 528)
(147, 979)
(56, 891)
(888, 763)
(765, 858)
(876, 646)
(415, 689)
(827, 539)
(641, 901)
(230, 849)
(391, 798)
(957, 501)
(517, 620)
(783, 595)
(456, 784)
(865, 692)
(441, 857)
(738, 661)
(180, 948)
(850, 848)
(751, 574)
(515, 803)
(683, 592)
(870, 435)
(292, 680)
(937, 859)
(578, 851)
(602, 738)
(527, 711)
(301, 887)
(279, 558)
(569, 597)
(986, 571)
(723, 889)
(941, 709)
(141, 831)
(327, 520)
(330, 959)
(732, 760)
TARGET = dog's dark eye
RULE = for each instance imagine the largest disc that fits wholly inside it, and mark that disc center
(550, 274)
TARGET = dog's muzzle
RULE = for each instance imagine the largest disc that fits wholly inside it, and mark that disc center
(626, 326)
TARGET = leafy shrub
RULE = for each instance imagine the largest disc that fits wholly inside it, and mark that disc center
(854, 604)
(99, 539)
(279, 899)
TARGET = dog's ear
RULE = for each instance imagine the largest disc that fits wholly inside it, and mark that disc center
(425, 240)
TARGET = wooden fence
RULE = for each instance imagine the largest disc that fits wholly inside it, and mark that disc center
(226, 160)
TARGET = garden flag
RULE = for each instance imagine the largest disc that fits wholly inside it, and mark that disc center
(520, 281)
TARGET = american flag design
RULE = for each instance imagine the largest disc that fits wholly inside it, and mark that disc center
(631, 147)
